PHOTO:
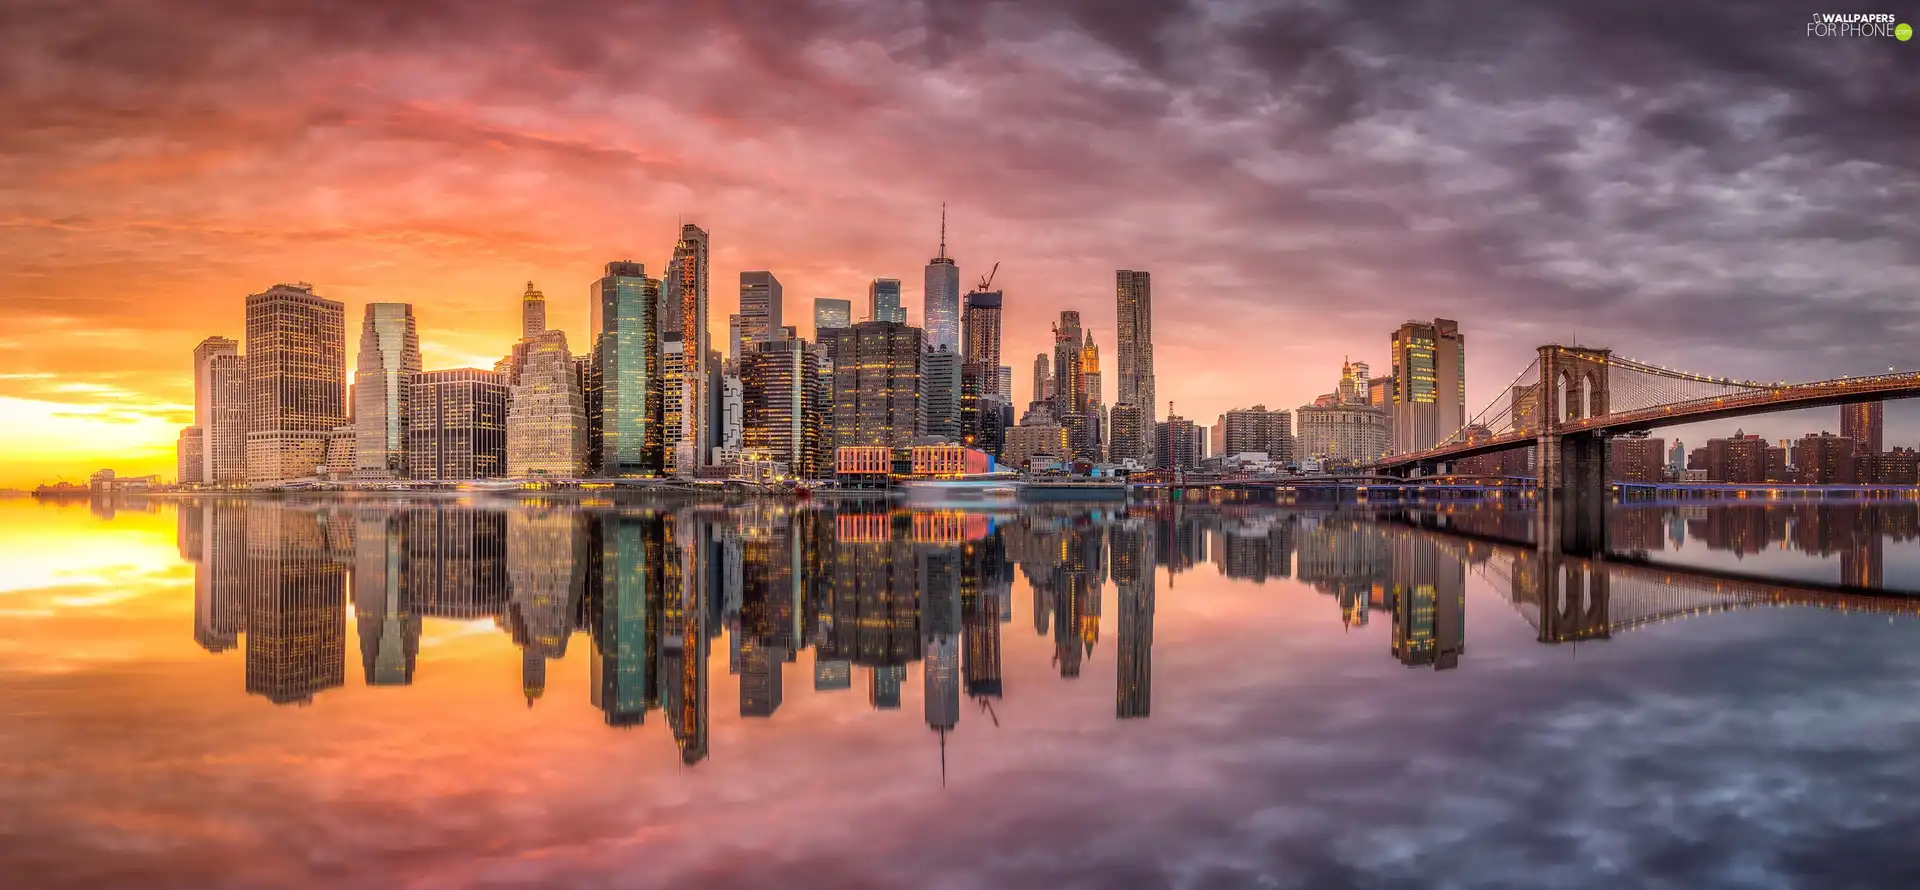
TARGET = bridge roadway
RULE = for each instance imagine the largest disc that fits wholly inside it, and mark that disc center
(1785, 397)
(1562, 585)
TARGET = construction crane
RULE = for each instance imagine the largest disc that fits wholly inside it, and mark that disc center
(986, 283)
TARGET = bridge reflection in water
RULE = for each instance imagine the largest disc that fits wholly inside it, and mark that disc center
(1581, 577)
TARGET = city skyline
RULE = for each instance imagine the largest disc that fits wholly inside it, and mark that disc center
(1688, 263)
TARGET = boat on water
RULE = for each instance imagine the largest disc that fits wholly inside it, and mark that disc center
(963, 491)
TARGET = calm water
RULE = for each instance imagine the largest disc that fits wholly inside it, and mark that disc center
(449, 695)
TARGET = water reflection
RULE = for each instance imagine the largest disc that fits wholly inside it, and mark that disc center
(873, 591)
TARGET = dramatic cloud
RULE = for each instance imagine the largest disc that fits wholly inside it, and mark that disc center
(1693, 184)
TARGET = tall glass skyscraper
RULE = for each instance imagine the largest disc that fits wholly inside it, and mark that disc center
(382, 383)
(1430, 384)
(624, 325)
(942, 295)
(883, 301)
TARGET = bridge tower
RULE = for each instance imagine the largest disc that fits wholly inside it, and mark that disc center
(1572, 461)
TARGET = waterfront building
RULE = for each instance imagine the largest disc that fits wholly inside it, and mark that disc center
(673, 399)
(783, 406)
(688, 273)
(296, 381)
(1174, 443)
(876, 384)
(1342, 434)
(1249, 430)
(883, 301)
(1036, 439)
(1637, 459)
(623, 326)
(190, 456)
(1430, 384)
(1126, 438)
(1133, 303)
(1742, 458)
(829, 314)
(941, 311)
(382, 383)
(1822, 459)
(457, 425)
(223, 449)
(546, 417)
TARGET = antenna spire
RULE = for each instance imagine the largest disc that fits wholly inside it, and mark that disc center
(943, 230)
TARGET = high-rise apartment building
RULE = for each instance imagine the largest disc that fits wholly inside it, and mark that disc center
(942, 307)
(1126, 439)
(876, 385)
(673, 398)
(227, 430)
(1133, 302)
(940, 392)
(382, 383)
(829, 314)
(533, 312)
(1430, 384)
(1174, 441)
(547, 416)
(190, 456)
(883, 301)
(762, 308)
(296, 381)
(784, 406)
(224, 450)
(457, 425)
(1042, 378)
(1256, 429)
(689, 274)
(624, 325)
(1864, 423)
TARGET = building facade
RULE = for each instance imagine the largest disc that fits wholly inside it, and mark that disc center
(883, 301)
(830, 314)
(1133, 304)
(876, 385)
(382, 382)
(296, 381)
(940, 383)
(1175, 441)
(762, 310)
(689, 276)
(533, 312)
(1864, 423)
(942, 296)
(1256, 429)
(623, 322)
(547, 416)
(1430, 384)
(1338, 433)
(212, 456)
(457, 425)
(783, 406)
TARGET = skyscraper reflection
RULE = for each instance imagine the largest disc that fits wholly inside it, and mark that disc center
(296, 605)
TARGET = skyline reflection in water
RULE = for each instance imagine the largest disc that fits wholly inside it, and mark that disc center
(1208, 628)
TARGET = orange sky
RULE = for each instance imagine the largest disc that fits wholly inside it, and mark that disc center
(161, 161)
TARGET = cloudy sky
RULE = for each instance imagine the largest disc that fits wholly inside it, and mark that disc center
(1693, 184)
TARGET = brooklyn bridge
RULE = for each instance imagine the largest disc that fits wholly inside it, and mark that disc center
(1572, 399)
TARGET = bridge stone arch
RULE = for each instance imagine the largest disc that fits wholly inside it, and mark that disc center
(1574, 382)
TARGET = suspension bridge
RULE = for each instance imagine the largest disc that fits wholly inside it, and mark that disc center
(1571, 399)
(1574, 596)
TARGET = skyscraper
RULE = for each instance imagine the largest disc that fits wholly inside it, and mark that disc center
(940, 391)
(1174, 442)
(1090, 374)
(226, 433)
(382, 384)
(204, 409)
(1042, 378)
(1133, 299)
(626, 637)
(533, 312)
(457, 425)
(695, 446)
(829, 314)
(876, 387)
(942, 308)
(1430, 384)
(296, 380)
(783, 406)
(1863, 422)
(1070, 403)
(982, 328)
(883, 301)
(547, 417)
(761, 309)
(623, 323)
(1133, 575)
